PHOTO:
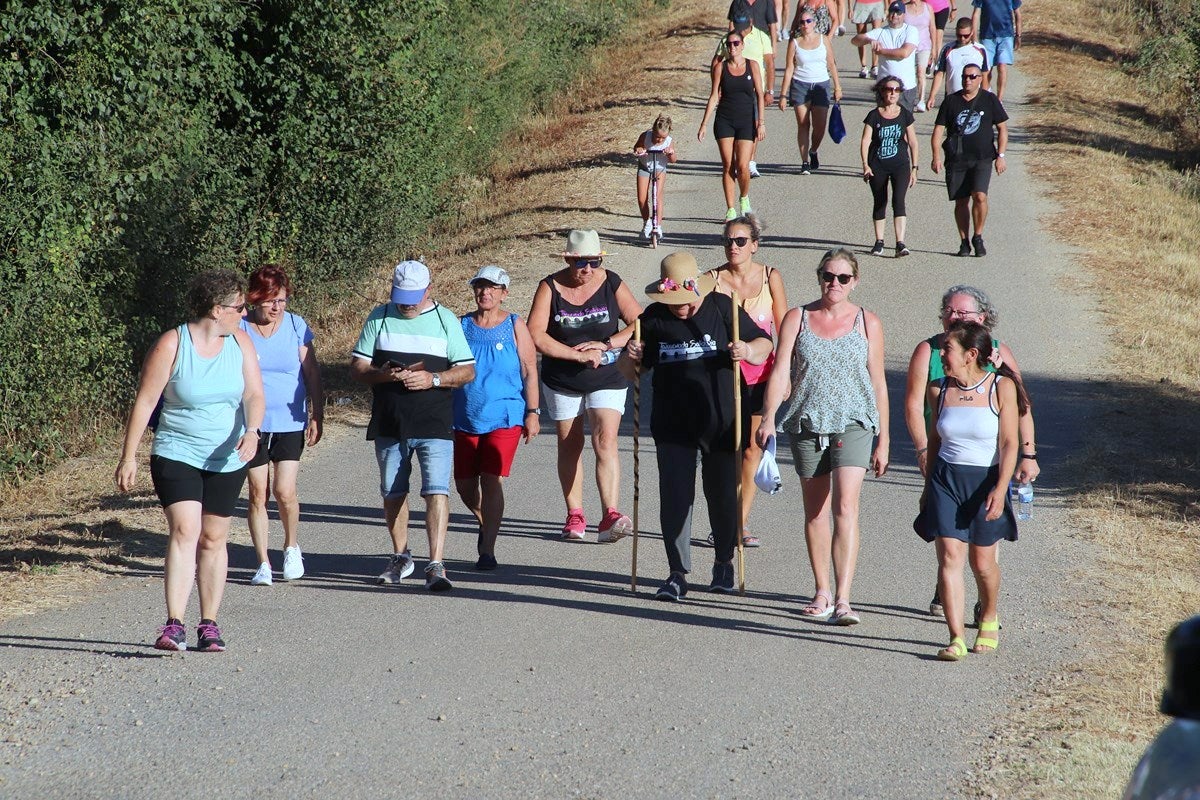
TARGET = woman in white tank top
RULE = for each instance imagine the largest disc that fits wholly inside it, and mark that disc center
(967, 511)
(811, 85)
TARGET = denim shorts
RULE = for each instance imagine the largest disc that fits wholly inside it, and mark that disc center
(436, 459)
(818, 95)
(999, 51)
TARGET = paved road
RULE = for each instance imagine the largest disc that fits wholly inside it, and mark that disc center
(548, 678)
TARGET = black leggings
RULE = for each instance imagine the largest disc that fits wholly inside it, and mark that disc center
(897, 172)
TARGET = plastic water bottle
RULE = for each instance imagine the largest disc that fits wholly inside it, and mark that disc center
(1025, 501)
(610, 356)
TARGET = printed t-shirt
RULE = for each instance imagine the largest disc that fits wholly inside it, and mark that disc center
(968, 123)
(693, 373)
(435, 338)
(952, 60)
(887, 142)
(593, 320)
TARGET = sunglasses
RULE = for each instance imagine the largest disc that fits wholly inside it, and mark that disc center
(735, 42)
(585, 263)
(740, 241)
(891, 90)
(974, 77)
(842, 278)
(808, 21)
(962, 35)
(240, 307)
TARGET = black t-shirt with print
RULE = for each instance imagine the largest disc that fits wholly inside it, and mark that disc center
(693, 373)
(970, 137)
(888, 145)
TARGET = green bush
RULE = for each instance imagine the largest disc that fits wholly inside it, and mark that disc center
(143, 142)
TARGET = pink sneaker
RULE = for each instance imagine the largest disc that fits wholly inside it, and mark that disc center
(576, 525)
(615, 526)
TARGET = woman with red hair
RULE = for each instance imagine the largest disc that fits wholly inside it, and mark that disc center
(291, 376)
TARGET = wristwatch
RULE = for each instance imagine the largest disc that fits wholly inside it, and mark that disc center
(536, 411)
(437, 380)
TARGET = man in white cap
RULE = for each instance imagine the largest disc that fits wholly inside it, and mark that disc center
(896, 46)
(412, 352)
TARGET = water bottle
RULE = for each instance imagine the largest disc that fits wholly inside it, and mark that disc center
(610, 356)
(1025, 501)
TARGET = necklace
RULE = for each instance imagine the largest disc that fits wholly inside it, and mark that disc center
(272, 328)
(977, 389)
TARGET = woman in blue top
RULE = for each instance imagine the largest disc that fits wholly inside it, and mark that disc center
(493, 412)
(288, 361)
(206, 373)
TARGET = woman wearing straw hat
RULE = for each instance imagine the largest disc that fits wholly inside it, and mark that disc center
(687, 339)
(574, 322)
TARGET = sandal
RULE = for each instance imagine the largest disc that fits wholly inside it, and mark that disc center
(845, 615)
(956, 651)
(987, 644)
(815, 610)
(749, 539)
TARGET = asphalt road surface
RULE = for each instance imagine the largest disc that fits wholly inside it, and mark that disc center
(548, 677)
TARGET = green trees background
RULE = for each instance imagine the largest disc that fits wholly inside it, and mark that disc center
(142, 142)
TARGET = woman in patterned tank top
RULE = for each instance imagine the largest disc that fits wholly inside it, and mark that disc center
(829, 368)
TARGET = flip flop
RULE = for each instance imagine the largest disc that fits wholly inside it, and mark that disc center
(814, 611)
(750, 540)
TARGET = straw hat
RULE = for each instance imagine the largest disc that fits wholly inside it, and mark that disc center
(681, 281)
(582, 243)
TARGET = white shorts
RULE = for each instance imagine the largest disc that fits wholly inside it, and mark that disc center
(569, 405)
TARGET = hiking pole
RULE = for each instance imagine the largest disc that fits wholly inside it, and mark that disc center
(637, 424)
(737, 448)
(654, 220)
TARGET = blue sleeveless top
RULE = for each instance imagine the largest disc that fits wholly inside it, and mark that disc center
(202, 416)
(496, 398)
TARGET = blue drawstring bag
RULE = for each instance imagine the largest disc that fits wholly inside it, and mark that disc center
(837, 128)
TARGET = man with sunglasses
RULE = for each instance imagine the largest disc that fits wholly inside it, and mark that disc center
(954, 56)
(964, 125)
(896, 46)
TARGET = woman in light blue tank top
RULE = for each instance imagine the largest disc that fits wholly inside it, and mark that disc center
(492, 412)
(207, 375)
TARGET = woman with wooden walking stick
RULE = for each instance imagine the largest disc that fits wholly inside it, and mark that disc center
(829, 367)
(687, 339)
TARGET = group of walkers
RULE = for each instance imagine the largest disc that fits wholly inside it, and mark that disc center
(235, 392)
(970, 130)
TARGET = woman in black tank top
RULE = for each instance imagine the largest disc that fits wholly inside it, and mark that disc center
(737, 98)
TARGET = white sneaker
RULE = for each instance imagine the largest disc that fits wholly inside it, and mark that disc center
(658, 231)
(754, 173)
(263, 576)
(874, 73)
(293, 563)
(920, 105)
(841, 30)
(646, 228)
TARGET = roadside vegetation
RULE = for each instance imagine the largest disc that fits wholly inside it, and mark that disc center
(1116, 121)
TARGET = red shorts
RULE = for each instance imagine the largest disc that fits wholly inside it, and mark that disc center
(492, 453)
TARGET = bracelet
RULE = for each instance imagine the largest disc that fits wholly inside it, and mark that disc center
(921, 450)
(1030, 456)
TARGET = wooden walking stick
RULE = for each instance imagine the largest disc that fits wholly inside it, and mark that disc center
(737, 448)
(637, 424)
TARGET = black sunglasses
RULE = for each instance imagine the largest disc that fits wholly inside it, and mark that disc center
(585, 263)
(975, 77)
(735, 42)
(842, 278)
(740, 241)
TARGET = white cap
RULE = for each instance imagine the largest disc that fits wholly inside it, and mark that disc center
(492, 274)
(409, 282)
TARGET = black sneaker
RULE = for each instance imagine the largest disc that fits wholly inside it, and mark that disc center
(486, 563)
(964, 249)
(902, 250)
(172, 636)
(722, 581)
(813, 160)
(210, 637)
(675, 588)
(435, 577)
(804, 169)
(977, 243)
(877, 249)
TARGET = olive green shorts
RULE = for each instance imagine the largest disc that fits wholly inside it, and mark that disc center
(850, 448)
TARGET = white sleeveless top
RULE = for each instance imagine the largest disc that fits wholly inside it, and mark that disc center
(970, 433)
(812, 66)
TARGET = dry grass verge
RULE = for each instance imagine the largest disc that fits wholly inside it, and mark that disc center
(62, 535)
(1113, 167)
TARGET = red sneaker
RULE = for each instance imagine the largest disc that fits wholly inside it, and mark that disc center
(576, 525)
(615, 526)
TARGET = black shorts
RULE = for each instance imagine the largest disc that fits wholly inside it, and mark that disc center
(217, 492)
(962, 181)
(940, 18)
(756, 394)
(276, 447)
(726, 128)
